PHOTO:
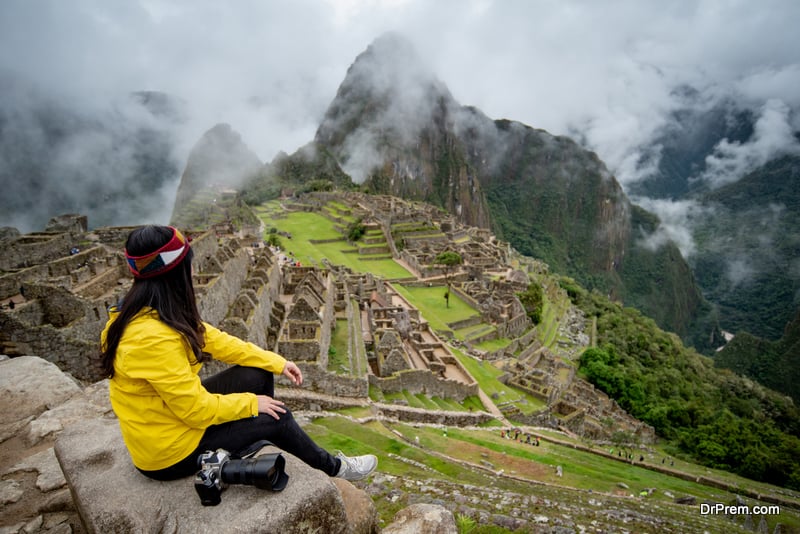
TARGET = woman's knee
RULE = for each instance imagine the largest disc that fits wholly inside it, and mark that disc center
(239, 379)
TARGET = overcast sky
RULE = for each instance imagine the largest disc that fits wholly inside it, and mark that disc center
(270, 69)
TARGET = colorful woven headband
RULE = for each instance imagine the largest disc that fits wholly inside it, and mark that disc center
(160, 261)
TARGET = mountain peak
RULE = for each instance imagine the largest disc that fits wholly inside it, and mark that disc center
(389, 64)
(387, 89)
(219, 160)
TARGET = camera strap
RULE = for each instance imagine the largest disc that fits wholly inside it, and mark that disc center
(251, 449)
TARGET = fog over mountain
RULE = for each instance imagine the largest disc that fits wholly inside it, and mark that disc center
(611, 75)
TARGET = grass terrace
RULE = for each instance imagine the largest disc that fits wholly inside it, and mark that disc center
(487, 376)
(429, 300)
(492, 345)
(465, 460)
(307, 226)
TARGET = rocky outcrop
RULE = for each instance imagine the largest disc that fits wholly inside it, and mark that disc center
(65, 468)
(391, 127)
(37, 401)
(113, 497)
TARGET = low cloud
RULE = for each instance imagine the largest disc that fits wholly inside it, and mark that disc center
(603, 72)
(739, 270)
(113, 161)
(676, 223)
(773, 137)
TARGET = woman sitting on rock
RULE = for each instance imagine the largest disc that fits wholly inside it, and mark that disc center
(154, 346)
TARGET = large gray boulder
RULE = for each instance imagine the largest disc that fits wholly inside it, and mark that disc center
(112, 496)
(30, 386)
(37, 400)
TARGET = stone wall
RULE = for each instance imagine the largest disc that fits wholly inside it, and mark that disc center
(250, 317)
(423, 381)
(221, 290)
(35, 248)
(317, 379)
(56, 323)
(66, 298)
(432, 417)
(305, 350)
(10, 283)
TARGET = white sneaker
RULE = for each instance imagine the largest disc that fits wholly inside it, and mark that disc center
(356, 467)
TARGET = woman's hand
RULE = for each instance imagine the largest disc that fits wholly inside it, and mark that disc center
(293, 373)
(270, 406)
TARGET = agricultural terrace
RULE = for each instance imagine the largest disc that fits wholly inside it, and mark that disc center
(315, 237)
(469, 462)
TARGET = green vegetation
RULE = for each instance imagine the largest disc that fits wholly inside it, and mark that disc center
(429, 300)
(774, 364)
(462, 458)
(747, 252)
(311, 168)
(448, 259)
(533, 301)
(720, 419)
(355, 230)
(659, 284)
(338, 360)
(328, 243)
(487, 376)
(492, 345)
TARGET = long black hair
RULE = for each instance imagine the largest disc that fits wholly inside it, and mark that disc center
(171, 294)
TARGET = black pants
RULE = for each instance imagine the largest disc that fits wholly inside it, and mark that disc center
(237, 436)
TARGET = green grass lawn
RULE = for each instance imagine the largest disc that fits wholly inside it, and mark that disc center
(487, 375)
(449, 457)
(307, 226)
(338, 360)
(431, 304)
(581, 469)
(336, 433)
(475, 331)
(492, 345)
(548, 326)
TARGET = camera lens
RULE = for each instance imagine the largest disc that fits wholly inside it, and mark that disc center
(263, 472)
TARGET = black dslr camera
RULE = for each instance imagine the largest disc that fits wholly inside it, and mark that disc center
(218, 470)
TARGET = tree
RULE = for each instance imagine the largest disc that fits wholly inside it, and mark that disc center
(356, 230)
(273, 240)
(448, 259)
(532, 299)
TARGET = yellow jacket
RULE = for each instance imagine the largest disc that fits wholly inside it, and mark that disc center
(162, 407)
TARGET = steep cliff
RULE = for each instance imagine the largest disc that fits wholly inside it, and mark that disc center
(392, 128)
(772, 363)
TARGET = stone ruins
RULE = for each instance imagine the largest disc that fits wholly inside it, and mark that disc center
(57, 285)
